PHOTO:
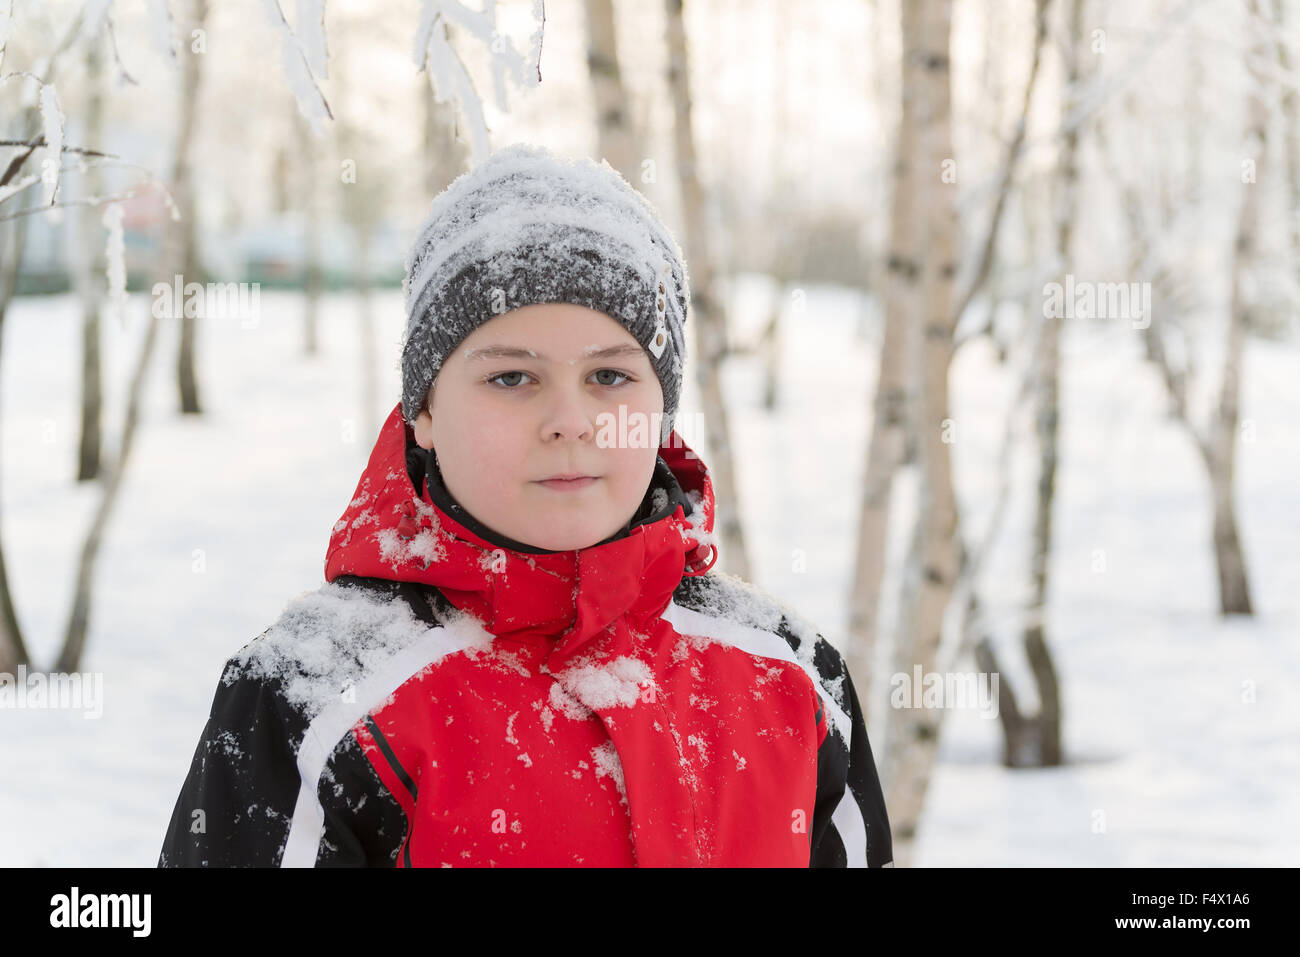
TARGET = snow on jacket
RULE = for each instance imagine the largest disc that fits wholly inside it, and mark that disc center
(451, 697)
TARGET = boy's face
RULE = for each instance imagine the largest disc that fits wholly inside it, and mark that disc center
(501, 424)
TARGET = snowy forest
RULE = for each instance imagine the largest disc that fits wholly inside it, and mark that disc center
(994, 361)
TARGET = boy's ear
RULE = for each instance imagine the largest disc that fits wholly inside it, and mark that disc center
(423, 430)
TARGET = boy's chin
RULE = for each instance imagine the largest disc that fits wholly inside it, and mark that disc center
(566, 543)
(569, 540)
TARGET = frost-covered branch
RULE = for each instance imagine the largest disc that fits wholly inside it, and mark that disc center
(88, 201)
(311, 28)
(299, 61)
(447, 72)
(52, 120)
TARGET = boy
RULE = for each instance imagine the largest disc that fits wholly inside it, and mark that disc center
(519, 657)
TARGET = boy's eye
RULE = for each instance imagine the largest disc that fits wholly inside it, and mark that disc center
(503, 375)
(512, 384)
(614, 372)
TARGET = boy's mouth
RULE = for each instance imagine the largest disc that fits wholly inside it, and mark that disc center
(567, 482)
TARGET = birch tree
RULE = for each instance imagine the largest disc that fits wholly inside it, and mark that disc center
(365, 190)
(706, 303)
(445, 156)
(184, 232)
(888, 446)
(1291, 119)
(1035, 741)
(1219, 449)
(617, 139)
(1216, 440)
(86, 268)
(39, 129)
(311, 200)
(179, 257)
(901, 293)
(913, 740)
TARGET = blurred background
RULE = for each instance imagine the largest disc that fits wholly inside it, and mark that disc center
(994, 302)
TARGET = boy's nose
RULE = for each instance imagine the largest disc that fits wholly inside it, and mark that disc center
(569, 418)
(579, 431)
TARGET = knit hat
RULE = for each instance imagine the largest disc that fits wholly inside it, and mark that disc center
(525, 227)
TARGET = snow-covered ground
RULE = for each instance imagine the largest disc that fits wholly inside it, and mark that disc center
(225, 518)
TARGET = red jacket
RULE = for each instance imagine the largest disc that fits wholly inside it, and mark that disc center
(451, 697)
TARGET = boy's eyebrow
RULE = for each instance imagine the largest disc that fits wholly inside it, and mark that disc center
(514, 352)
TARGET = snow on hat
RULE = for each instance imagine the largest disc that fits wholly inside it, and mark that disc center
(525, 227)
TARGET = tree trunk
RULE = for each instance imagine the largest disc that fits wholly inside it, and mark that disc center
(770, 346)
(1217, 445)
(1221, 447)
(1019, 744)
(1230, 561)
(900, 293)
(183, 191)
(13, 649)
(310, 196)
(780, 257)
(926, 38)
(1291, 119)
(361, 204)
(179, 241)
(372, 414)
(708, 314)
(617, 139)
(74, 641)
(1047, 421)
(88, 276)
(445, 157)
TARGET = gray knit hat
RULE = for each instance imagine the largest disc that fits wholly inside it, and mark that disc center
(525, 227)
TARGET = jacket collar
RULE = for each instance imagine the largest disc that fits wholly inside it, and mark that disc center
(400, 528)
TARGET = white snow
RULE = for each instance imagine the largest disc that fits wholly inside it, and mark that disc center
(567, 705)
(327, 641)
(423, 547)
(607, 764)
(696, 531)
(616, 683)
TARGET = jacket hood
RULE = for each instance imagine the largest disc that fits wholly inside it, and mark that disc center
(403, 525)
